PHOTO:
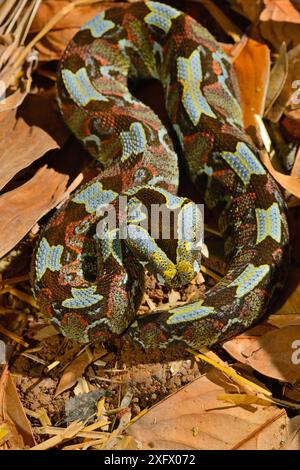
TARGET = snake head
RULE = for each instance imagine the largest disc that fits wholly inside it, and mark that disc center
(165, 233)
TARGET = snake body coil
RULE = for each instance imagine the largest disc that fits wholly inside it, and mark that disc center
(91, 287)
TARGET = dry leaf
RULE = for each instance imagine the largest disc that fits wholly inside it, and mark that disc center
(293, 440)
(194, 418)
(291, 183)
(279, 22)
(49, 185)
(284, 320)
(289, 94)
(28, 134)
(77, 368)
(278, 77)
(12, 416)
(45, 332)
(274, 354)
(252, 66)
(248, 8)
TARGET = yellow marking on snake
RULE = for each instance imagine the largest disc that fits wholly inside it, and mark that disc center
(80, 87)
(268, 222)
(189, 312)
(161, 15)
(189, 74)
(243, 162)
(82, 298)
(249, 278)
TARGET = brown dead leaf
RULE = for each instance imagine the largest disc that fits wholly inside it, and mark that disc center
(291, 183)
(248, 8)
(28, 134)
(289, 94)
(74, 371)
(252, 66)
(77, 368)
(45, 332)
(278, 78)
(279, 22)
(273, 354)
(20, 209)
(74, 19)
(194, 418)
(293, 440)
(284, 320)
(12, 416)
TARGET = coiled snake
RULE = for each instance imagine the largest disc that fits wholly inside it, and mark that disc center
(90, 286)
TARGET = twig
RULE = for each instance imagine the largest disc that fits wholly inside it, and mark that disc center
(210, 273)
(13, 336)
(226, 370)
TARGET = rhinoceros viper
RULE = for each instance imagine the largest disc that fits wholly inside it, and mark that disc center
(91, 286)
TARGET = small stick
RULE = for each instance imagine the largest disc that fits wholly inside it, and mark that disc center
(13, 336)
(210, 273)
(14, 280)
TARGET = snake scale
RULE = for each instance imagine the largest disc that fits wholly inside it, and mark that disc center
(90, 286)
